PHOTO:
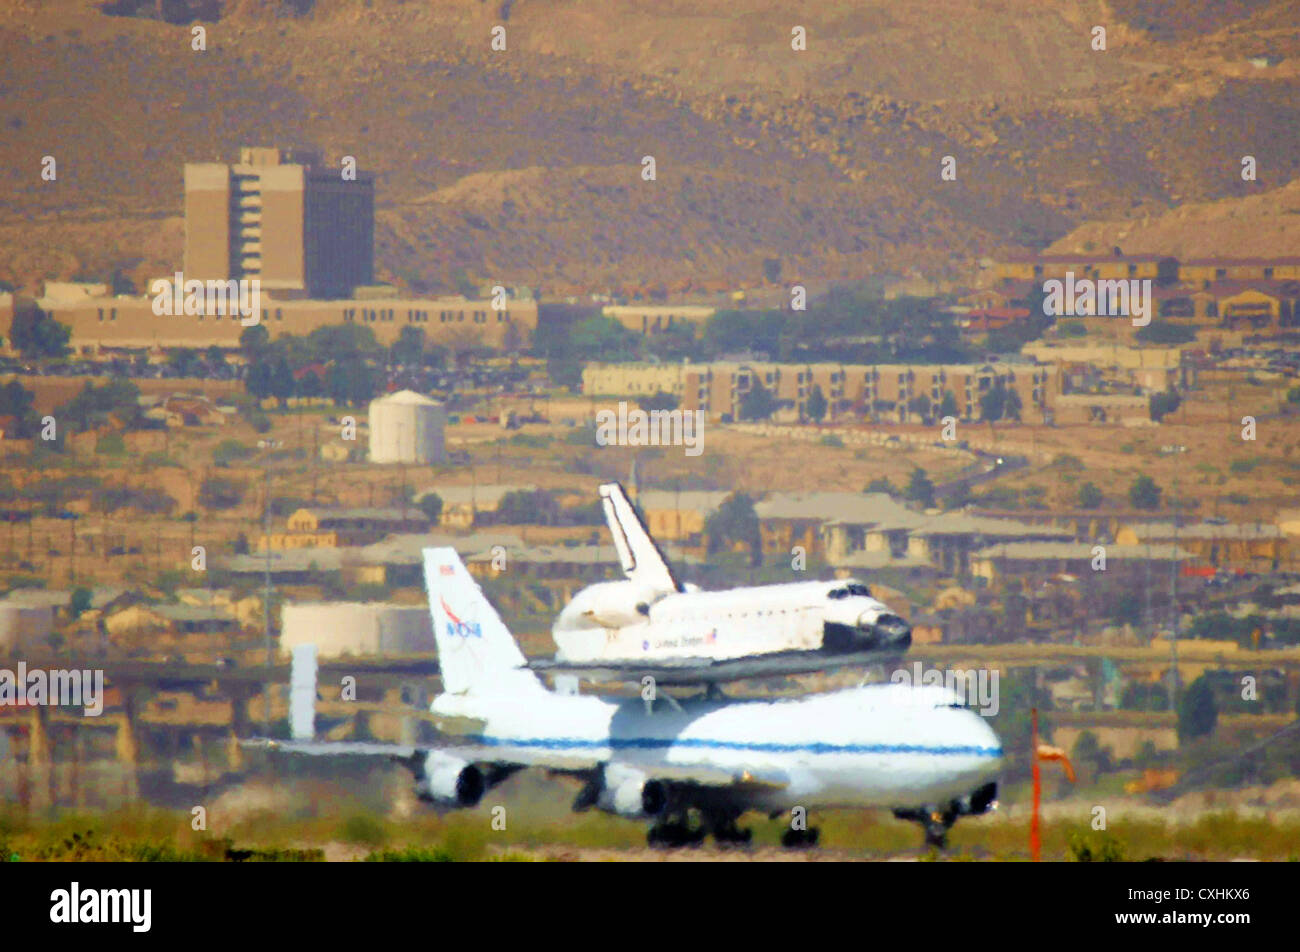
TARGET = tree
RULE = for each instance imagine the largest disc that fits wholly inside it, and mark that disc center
(409, 347)
(1198, 713)
(258, 381)
(254, 341)
(817, 406)
(1013, 405)
(1090, 497)
(332, 342)
(110, 444)
(216, 493)
(920, 406)
(79, 602)
(920, 489)
(93, 406)
(1163, 404)
(431, 506)
(881, 484)
(533, 507)
(735, 522)
(16, 401)
(1159, 332)
(310, 385)
(757, 403)
(993, 403)
(1088, 751)
(657, 401)
(948, 405)
(282, 382)
(34, 333)
(601, 338)
(184, 361)
(351, 381)
(674, 343)
(959, 496)
(1144, 493)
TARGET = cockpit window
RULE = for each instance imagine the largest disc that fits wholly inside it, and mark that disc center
(854, 588)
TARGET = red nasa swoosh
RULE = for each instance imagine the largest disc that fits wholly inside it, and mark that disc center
(450, 614)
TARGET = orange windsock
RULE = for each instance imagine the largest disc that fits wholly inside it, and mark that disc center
(1047, 752)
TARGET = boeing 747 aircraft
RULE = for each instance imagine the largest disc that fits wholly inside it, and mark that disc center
(915, 749)
(650, 623)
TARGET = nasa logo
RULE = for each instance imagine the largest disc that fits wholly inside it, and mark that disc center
(457, 628)
(461, 629)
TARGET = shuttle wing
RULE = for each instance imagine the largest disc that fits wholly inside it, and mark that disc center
(689, 671)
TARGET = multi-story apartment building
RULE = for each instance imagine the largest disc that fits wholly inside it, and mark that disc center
(899, 393)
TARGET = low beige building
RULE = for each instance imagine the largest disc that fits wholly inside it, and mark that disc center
(651, 319)
(129, 323)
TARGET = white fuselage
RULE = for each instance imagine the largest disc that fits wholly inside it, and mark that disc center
(612, 621)
(882, 745)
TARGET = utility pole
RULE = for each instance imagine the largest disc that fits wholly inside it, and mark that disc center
(1173, 608)
(266, 598)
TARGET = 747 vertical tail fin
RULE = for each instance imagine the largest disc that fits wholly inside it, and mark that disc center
(476, 652)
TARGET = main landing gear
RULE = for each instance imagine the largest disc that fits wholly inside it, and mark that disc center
(801, 839)
(675, 830)
(793, 839)
(682, 828)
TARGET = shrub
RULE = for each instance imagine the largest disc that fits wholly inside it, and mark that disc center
(110, 444)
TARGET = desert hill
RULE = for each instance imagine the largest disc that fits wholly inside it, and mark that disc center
(523, 166)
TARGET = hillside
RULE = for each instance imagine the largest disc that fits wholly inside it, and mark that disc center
(523, 166)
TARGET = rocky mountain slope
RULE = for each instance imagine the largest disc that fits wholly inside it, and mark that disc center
(523, 166)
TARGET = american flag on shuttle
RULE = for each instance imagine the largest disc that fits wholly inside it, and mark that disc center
(446, 570)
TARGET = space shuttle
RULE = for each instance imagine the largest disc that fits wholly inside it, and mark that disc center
(649, 622)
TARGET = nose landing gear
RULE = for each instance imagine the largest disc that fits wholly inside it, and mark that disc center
(937, 819)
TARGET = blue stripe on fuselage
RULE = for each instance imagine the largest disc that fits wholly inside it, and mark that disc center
(652, 743)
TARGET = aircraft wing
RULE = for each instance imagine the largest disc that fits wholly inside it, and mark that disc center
(504, 754)
(327, 748)
(531, 756)
(689, 671)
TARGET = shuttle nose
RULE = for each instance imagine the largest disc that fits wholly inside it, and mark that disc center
(887, 630)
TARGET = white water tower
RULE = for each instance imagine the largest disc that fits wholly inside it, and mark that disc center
(406, 427)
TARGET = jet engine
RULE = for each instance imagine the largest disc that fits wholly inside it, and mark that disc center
(631, 794)
(450, 781)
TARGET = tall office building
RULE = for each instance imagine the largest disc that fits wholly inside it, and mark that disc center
(282, 216)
